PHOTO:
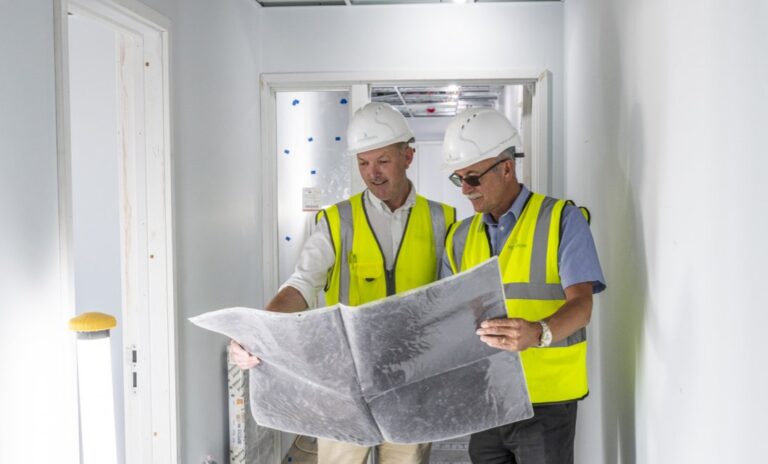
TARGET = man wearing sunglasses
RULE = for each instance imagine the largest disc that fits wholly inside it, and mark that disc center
(550, 270)
(383, 241)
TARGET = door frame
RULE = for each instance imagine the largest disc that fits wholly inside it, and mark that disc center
(148, 285)
(538, 81)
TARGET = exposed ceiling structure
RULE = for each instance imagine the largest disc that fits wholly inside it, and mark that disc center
(438, 101)
(273, 3)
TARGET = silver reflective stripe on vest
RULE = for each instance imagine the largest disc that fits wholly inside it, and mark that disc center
(519, 291)
(544, 292)
(541, 242)
(576, 337)
(438, 231)
(459, 240)
(347, 234)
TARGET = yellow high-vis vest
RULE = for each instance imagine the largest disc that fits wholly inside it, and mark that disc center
(531, 277)
(359, 274)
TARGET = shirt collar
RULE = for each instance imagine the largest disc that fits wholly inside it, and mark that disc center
(515, 210)
(379, 204)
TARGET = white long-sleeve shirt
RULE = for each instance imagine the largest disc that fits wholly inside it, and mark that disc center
(318, 256)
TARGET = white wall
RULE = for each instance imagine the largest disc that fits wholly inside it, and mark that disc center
(215, 110)
(36, 406)
(217, 199)
(478, 37)
(666, 107)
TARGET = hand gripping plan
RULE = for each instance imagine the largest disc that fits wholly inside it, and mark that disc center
(405, 369)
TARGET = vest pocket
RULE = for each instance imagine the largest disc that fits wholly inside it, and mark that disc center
(367, 272)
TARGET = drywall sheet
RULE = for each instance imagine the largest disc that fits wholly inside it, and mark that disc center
(404, 369)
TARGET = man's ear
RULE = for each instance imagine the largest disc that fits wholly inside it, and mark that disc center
(409, 152)
(509, 167)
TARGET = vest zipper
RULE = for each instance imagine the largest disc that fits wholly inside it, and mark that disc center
(389, 275)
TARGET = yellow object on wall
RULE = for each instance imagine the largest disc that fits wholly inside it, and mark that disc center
(92, 322)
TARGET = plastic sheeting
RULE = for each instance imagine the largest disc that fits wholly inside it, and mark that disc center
(405, 369)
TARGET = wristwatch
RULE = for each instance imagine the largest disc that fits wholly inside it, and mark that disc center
(546, 335)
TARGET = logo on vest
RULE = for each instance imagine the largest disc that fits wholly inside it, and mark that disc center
(517, 245)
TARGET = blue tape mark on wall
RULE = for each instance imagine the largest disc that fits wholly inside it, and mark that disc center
(287, 238)
(343, 101)
(287, 151)
(310, 139)
(338, 138)
(313, 172)
(295, 102)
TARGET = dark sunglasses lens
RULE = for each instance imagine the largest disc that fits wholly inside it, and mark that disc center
(472, 181)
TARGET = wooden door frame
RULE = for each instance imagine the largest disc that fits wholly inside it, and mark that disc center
(149, 313)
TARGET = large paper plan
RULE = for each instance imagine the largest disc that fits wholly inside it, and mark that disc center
(405, 369)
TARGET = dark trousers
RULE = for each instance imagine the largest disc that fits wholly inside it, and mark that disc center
(546, 438)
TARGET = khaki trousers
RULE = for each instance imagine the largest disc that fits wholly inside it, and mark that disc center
(335, 452)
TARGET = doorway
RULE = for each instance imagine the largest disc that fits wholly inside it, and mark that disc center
(523, 96)
(305, 166)
(116, 211)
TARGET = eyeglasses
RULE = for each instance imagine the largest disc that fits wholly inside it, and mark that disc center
(473, 180)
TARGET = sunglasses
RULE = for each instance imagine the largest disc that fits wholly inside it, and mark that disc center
(472, 179)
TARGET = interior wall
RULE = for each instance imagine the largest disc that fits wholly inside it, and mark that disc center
(666, 104)
(215, 113)
(477, 37)
(217, 199)
(36, 392)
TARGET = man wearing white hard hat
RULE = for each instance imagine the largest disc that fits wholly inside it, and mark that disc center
(397, 246)
(550, 270)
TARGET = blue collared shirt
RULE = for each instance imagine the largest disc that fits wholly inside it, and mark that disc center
(577, 255)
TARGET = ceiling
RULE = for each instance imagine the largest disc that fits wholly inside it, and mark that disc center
(438, 101)
(273, 3)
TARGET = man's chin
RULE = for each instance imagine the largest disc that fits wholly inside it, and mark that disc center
(477, 205)
(381, 191)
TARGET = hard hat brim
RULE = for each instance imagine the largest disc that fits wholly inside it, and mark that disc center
(409, 138)
(449, 168)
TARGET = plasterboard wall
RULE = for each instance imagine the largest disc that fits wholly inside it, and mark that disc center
(217, 200)
(35, 396)
(666, 108)
(215, 115)
(477, 37)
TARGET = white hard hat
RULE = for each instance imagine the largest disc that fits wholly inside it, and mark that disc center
(477, 134)
(374, 126)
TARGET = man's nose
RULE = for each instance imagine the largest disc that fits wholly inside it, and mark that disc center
(466, 188)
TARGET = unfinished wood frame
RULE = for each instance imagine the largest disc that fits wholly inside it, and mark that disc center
(144, 135)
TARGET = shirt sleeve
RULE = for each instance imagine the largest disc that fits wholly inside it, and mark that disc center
(316, 258)
(577, 255)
